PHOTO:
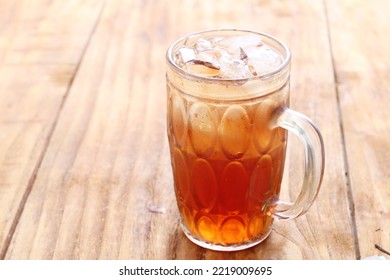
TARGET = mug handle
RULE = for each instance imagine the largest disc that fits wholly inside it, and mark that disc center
(314, 161)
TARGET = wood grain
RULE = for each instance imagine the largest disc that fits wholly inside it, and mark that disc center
(94, 189)
(104, 188)
(39, 55)
(361, 50)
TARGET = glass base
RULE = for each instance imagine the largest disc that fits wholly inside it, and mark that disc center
(225, 248)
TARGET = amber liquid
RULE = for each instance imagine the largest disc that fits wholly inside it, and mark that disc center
(228, 164)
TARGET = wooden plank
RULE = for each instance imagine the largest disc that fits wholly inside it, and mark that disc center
(361, 47)
(39, 55)
(104, 189)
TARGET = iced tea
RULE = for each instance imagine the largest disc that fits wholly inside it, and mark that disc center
(227, 155)
(228, 99)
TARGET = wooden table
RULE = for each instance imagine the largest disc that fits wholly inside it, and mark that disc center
(84, 163)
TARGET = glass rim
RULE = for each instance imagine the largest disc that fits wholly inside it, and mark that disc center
(193, 76)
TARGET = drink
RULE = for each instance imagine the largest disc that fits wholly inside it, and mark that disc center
(226, 93)
(228, 162)
(222, 200)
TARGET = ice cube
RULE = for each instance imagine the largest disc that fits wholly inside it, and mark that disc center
(184, 55)
(236, 42)
(212, 57)
(262, 60)
(234, 69)
(209, 57)
(243, 55)
(236, 45)
(251, 40)
(203, 45)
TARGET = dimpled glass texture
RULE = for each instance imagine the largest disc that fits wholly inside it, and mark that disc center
(228, 163)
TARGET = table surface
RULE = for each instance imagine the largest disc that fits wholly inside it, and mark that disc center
(84, 161)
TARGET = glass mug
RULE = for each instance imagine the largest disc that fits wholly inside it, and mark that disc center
(227, 122)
